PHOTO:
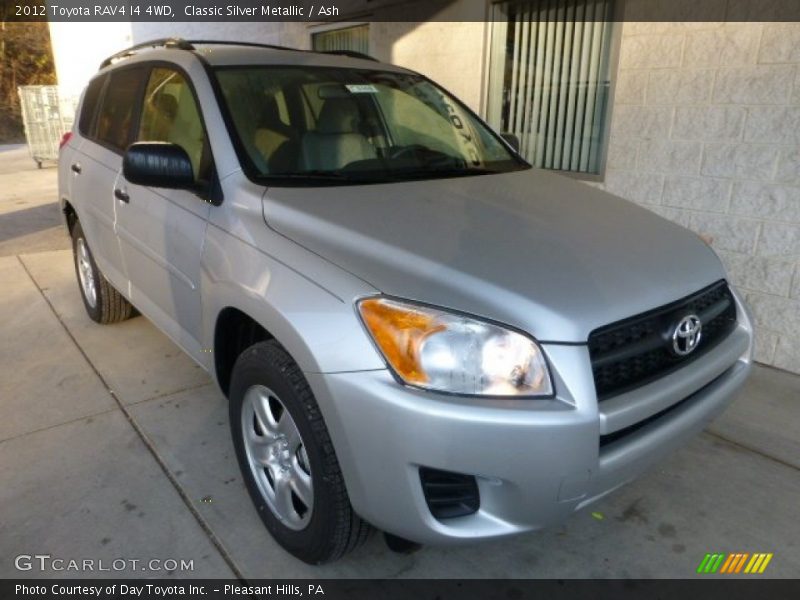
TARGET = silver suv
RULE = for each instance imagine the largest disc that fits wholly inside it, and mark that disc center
(415, 329)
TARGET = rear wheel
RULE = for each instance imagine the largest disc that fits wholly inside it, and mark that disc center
(103, 303)
(287, 458)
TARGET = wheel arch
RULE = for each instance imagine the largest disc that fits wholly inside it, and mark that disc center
(236, 328)
(70, 214)
(234, 332)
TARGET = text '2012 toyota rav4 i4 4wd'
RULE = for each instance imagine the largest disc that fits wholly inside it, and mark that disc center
(415, 329)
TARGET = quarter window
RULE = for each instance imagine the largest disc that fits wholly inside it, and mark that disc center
(116, 112)
(170, 114)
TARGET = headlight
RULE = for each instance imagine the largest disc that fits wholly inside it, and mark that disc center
(448, 352)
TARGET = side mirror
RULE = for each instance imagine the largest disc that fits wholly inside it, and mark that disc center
(512, 140)
(158, 164)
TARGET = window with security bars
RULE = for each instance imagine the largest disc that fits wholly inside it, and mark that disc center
(549, 79)
(354, 39)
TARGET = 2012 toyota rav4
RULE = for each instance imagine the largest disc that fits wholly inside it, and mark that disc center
(415, 329)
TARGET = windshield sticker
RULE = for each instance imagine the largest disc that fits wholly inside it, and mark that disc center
(361, 88)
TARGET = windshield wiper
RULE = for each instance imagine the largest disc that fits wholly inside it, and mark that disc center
(377, 176)
(314, 175)
(453, 172)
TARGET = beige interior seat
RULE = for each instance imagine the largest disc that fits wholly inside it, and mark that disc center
(271, 131)
(337, 140)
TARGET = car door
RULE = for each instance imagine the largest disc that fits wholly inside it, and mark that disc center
(105, 124)
(161, 231)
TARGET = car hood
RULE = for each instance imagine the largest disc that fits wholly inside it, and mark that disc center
(538, 251)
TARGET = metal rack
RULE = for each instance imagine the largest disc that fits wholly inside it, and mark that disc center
(47, 116)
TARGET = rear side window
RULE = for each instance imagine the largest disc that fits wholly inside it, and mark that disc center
(89, 107)
(117, 108)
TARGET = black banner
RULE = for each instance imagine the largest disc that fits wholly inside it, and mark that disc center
(377, 10)
(733, 588)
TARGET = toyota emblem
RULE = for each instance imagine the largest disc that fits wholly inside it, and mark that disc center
(687, 335)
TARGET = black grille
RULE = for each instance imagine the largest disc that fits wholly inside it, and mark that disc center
(635, 351)
(449, 494)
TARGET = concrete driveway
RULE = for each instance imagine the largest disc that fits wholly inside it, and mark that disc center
(113, 445)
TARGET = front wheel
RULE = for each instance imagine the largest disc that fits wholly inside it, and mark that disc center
(287, 458)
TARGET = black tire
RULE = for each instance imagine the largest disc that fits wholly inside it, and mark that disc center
(334, 529)
(110, 306)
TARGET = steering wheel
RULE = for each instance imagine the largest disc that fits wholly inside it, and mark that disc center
(404, 151)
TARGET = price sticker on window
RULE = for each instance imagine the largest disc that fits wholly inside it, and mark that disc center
(361, 88)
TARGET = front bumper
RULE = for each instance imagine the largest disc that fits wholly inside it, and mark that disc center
(536, 461)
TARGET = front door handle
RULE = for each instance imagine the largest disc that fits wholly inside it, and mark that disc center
(76, 167)
(122, 195)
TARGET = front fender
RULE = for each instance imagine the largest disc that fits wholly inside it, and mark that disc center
(318, 327)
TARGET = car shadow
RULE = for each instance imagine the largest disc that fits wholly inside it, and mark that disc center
(28, 220)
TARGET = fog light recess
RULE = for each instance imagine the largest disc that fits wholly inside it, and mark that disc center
(449, 495)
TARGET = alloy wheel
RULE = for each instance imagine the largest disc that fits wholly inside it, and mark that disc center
(277, 457)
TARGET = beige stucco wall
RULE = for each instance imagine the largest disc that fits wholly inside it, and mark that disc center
(705, 131)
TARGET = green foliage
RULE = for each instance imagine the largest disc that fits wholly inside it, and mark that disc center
(25, 59)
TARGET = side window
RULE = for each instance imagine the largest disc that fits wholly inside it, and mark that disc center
(170, 114)
(116, 111)
(89, 106)
(260, 105)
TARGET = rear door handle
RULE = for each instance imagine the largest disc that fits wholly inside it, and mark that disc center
(76, 167)
(122, 195)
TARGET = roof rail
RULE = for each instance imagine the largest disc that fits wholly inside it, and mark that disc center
(249, 44)
(178, 43)
(182, 44)
(351, 54)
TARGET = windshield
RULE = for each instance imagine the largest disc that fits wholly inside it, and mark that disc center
(346, 126)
